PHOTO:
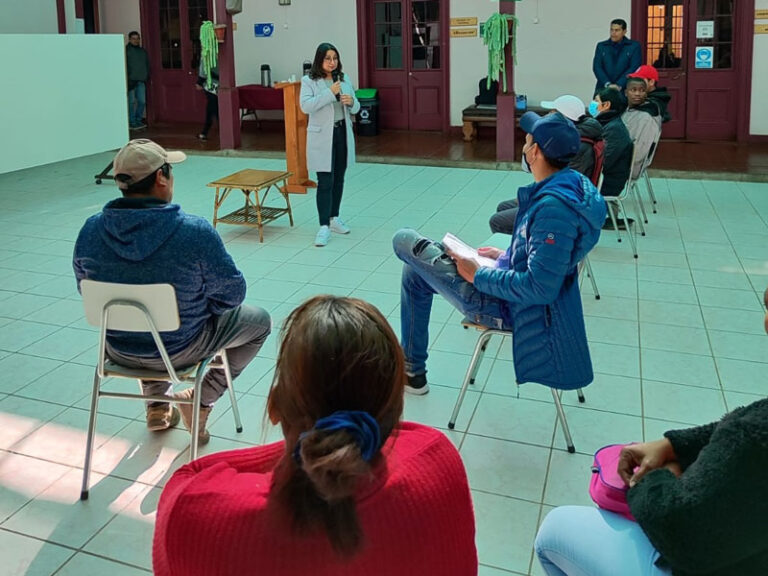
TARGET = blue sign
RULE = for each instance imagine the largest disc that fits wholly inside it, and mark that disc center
(263, 30)
(704, 56)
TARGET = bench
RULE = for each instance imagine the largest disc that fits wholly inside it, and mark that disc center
(473, 115)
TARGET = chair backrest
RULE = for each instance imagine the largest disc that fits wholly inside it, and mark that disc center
(128, 303)
(628, 184)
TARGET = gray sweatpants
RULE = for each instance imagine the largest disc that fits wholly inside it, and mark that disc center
(240, 331)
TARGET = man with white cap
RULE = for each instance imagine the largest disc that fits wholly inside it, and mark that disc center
(590, 132)
(142, 238)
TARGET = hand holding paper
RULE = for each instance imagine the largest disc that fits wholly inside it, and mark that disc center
(463, 250)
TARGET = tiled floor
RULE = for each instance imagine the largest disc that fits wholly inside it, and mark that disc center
(676, 340)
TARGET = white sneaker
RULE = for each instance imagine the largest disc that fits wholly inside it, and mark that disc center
(323, 235)
(338, 226)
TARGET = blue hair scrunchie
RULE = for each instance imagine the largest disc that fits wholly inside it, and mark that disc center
(360, 425)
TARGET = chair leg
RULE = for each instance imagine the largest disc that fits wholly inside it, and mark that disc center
(232, 397)
(91, 435)
(476, 368)
(195, 431)
(563, 423)
(580, 393)
(640, 203)
(591, 276)
(649, 187)
(626, 225)
(613, 220)
(471, 369)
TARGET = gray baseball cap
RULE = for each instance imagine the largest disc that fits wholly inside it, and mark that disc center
(140, 158)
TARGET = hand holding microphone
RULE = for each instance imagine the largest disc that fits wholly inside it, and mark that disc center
(336, 86)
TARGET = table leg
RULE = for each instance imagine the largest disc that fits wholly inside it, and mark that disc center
(284, 191)
(468, 131)
(259, 204)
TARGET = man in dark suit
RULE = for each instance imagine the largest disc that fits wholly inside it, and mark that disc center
(615, 58)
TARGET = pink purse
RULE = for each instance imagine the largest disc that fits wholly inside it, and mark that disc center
(606, 487)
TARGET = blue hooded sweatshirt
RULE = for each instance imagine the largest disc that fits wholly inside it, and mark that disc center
(147, 241)
(558, 224)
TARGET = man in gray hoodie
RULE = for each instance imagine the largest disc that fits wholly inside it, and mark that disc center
(142, 238)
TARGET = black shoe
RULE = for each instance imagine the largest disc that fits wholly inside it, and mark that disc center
(608, 225)
(417, 384)
(202, 137)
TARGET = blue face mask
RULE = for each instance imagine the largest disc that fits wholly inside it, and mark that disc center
(593, 111)
(526, 166)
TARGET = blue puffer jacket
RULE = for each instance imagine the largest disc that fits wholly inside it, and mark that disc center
(558, 224)
(146, 241)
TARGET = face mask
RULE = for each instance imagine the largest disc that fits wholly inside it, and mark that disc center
(524, 162)
(593, 111)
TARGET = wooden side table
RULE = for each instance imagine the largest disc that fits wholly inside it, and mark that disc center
(254, 213)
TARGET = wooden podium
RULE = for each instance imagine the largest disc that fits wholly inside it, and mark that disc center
(295, 139)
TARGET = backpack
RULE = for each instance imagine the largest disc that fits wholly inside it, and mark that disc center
(606, 487)
(487, 95)
(598, 149)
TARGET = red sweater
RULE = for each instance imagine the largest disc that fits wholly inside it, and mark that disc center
(416, 516)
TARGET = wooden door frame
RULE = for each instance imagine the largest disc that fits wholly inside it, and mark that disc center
(365, 56)
(743, 44)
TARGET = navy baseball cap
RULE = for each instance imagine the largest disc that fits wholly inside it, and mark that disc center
(555, 134)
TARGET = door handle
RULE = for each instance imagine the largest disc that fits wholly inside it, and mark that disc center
(410, 73)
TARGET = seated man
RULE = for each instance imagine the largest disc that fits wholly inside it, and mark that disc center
(142, 238)
(643, 121)
(656, 94)
(533, 289)
(590, 131)
(607, 108)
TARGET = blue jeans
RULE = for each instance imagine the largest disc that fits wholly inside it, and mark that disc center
(586, 541)
(428, 271)
(137, 101)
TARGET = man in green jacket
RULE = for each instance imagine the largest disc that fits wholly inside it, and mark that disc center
(137, 71)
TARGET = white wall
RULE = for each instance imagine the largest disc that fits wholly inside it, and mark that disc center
(69, 111)
(759, 114)
(299, 28)
(554, 56)
(119, 17)
(28, 17)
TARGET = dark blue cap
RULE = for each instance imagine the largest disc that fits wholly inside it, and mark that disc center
(555, 134)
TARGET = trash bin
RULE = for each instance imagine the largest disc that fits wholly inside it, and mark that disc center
(368, 116)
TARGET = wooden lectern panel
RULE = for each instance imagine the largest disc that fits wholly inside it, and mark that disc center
(295, 138)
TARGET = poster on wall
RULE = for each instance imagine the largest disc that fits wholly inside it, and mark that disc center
(705, 29)
(263, 30)
(704, 57)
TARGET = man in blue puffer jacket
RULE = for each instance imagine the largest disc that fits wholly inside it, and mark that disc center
(142, 238)
(533, 289)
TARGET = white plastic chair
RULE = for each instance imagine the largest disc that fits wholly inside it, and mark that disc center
(142, 308)
(625, 194)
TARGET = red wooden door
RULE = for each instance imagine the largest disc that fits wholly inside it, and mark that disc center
(407, 57)
(712, 77)
(174, 50)
(699, 50)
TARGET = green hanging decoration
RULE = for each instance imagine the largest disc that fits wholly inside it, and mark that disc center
(209, 50)
(496, 36)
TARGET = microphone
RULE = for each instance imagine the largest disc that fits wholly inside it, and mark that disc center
(335, 78)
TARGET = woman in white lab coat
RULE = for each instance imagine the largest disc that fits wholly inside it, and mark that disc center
(328, 97)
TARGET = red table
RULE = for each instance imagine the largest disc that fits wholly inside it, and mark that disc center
(255, 97)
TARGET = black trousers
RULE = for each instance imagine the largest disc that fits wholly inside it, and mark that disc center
(330, 185)
(211, 111)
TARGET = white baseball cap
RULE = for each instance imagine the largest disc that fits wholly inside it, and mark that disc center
(140, 158)
(568, 105)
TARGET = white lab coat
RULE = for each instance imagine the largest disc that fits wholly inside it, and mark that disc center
(317, 100)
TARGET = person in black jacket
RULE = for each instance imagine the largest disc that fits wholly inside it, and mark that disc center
(137, 72)
(616, 57)
(700, 500)
(503, 220)
(657, 95)
(607, 108)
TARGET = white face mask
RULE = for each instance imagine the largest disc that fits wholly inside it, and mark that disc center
(524, 162)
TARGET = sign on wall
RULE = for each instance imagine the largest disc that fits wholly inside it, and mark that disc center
(463, 32)
(263, 30)
(761, 14)
(761, 28)
(705, 29)
(464, 21)
(704, 57)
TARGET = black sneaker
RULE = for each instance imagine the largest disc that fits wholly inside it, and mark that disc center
(417, 384)
(608, 225)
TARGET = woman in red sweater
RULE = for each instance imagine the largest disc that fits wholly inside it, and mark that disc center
(351, 489)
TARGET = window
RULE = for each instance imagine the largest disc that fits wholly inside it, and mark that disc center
(425, 26)
(665, 46)
(720, 13)
(388, 31)
(170, 34)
